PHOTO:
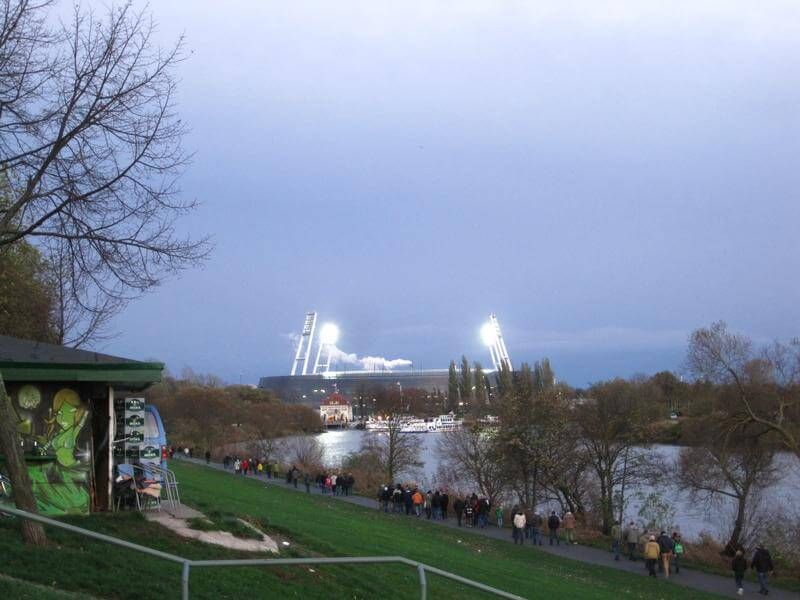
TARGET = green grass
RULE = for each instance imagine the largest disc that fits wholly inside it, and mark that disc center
(25, 590)
(315, 526)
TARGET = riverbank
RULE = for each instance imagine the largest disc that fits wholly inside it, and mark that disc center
(699, 581)
(314, 526)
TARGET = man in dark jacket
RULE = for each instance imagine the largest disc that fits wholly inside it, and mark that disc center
(553, 523)
(666, 545)
(762, 563)
(458, 506)
(409, 502)
(445, 501)
(739, 566)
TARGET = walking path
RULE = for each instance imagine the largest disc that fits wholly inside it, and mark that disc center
(690, 578)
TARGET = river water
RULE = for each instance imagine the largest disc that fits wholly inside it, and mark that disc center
(690, 519)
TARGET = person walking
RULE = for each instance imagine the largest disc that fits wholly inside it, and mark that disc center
(208, 457)
(677, 551)
(407, 501)
(536, 530)
(528, 523)
(553, 523)
(762, 565)
(428, 505)
(445, 501)
(616, 539)
(307, 482)
(666, 546)
(498, 516)
(436, 505)
(237, 466)
(631, 535)
(739, 566)
(458, 506)
(417, 499)
(519, 527)
(652, 552)
(569, 527)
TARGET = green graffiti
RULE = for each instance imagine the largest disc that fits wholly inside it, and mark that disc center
(59, 479)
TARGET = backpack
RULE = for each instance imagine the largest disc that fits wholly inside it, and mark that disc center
(678, 548)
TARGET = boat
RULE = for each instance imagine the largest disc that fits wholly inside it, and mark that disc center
(446, 422)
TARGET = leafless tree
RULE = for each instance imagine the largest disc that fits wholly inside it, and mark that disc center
(765, 385)
(90, 144)
(468, 455)
(727, 467)
(612, 424)
(394, 451)
(305, 452)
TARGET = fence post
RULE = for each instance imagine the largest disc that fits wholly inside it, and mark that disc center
(423, 582)
(185, 581)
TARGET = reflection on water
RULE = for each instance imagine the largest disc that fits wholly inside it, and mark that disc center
(691, 518)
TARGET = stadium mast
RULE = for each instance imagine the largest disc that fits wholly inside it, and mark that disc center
(304, 347)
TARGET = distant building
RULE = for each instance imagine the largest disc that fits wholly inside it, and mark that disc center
(311, 389)
(336, 410)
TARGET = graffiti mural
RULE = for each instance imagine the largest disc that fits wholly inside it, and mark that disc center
(53, 426)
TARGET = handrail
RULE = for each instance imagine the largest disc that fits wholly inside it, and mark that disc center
(187, 564)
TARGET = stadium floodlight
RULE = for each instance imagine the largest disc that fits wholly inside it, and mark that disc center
(493, 338)
(488, 334)
(329, 334)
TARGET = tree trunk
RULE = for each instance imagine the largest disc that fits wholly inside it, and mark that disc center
(734, 543)
(32, 533)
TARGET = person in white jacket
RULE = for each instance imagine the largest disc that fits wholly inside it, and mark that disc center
(519, 527)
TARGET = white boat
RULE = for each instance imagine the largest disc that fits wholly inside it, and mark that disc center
(446, 422)
(414, 426)
(376, 425)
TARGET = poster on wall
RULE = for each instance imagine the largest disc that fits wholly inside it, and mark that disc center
(129, 413)
(52, 423)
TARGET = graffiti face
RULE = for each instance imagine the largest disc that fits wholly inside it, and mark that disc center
(56, 449)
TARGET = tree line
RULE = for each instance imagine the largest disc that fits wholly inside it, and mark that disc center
(200, 412)
(586, 449)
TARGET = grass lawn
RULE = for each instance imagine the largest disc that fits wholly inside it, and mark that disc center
(316, 526)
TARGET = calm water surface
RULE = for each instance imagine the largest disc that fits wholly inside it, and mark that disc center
(690, 518)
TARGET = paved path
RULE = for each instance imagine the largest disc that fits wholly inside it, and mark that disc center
(687, 577)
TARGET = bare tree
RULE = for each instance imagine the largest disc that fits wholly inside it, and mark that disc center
(305, 452)
(468, 455)
(394, 451)
(90, 144)
(612, 423)
(737, 469)
(765, 385)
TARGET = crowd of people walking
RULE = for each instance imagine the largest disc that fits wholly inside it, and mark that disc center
(660, 552)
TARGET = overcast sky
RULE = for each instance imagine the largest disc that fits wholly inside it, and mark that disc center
(606, 177)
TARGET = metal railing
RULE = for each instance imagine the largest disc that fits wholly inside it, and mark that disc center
(187, 564)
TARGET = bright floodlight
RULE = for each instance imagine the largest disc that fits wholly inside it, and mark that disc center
(488, 334)
(329, 334)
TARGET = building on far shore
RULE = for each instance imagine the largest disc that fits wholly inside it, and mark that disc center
(336, 411)
(312, 389)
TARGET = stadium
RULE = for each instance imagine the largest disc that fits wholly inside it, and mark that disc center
(309, 382)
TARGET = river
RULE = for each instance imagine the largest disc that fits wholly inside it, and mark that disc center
(691, 518)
